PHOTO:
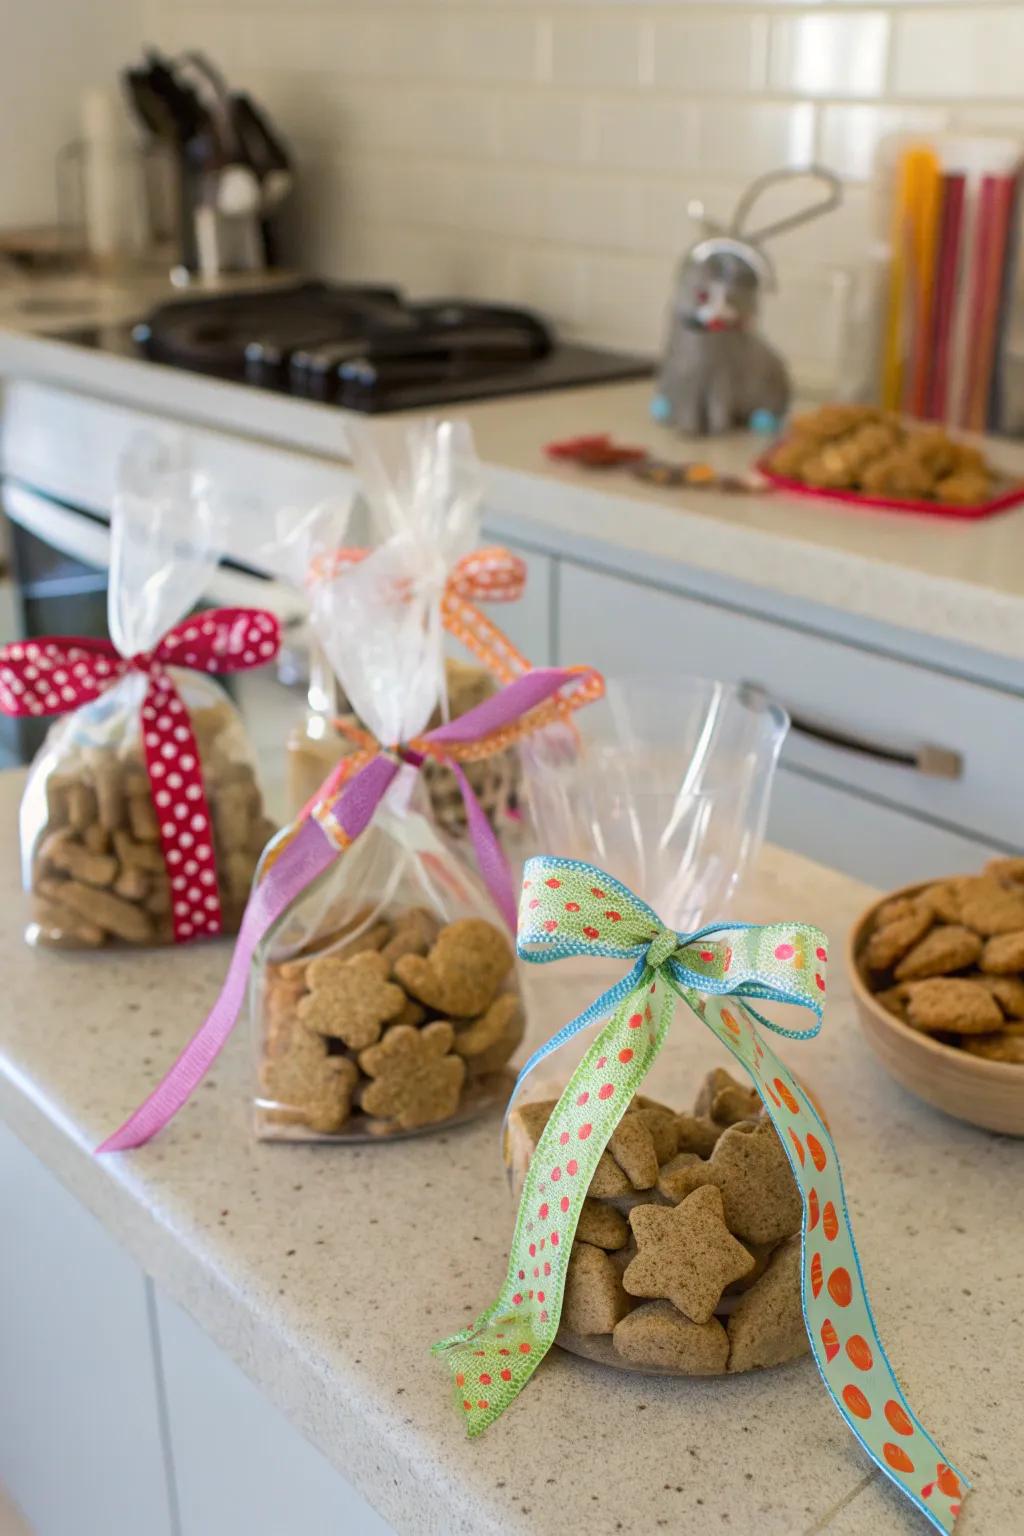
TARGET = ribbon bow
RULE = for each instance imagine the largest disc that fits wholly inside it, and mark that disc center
(306, 849)
(570, 908)
(55, 675)
(490, 575)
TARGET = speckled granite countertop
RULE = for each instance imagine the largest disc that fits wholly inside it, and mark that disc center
(325, 1273)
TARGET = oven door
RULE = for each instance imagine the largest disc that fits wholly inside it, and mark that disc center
(60, 557)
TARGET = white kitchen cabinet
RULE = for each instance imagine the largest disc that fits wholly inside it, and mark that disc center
(627, 627)
(240, 1468)
(869, 841)
(80, 1444)
(527, 623)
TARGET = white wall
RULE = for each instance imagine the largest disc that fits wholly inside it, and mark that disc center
(49, 51)
(545, 150)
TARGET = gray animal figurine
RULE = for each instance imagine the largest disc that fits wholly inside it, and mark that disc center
(718, 372)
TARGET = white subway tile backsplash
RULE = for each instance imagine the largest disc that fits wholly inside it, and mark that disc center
(645, 135)
(830, 54)
(592, 210)
(735, 138)
(553, 281)
(850, 136)
(483, 48)
(970, 52)
(546, 151)
(599, 52)
(710, 53)
(546, 130)
(627, 297)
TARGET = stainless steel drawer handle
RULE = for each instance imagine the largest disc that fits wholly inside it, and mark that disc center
(936, 762)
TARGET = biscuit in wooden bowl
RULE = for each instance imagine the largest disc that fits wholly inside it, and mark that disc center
(945, 1014)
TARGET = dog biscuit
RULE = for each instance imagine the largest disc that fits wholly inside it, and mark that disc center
(594, 1300)
(952, 1005)
(948, 948)
(656, 1335)
(416, 1081)
(351, 999)
(767, 1325)
(686, 1254)
(463, 971)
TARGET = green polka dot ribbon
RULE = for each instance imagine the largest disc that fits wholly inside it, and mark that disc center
(571, 908)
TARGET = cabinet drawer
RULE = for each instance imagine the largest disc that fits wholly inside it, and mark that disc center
(881, 703)
(871, 842)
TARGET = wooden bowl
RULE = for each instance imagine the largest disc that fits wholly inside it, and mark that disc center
(985, 1093)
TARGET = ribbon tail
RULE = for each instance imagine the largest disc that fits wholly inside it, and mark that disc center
(348, 814)
(493, 1360)
(306, 856)
(841, 1328)
(600, 1008)
(490, 856)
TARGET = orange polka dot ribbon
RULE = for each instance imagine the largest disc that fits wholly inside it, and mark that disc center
(568, 908)
(55, 675)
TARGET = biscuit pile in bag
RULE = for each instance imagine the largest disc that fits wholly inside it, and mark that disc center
(686, 1258)
(94, 864)
(385, 1002)
(90, 828)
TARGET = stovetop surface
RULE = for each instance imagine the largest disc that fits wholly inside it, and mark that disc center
(364, 347)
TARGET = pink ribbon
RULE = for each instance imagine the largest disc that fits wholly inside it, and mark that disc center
(309, 853)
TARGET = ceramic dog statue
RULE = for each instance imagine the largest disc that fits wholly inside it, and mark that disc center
(718, 373)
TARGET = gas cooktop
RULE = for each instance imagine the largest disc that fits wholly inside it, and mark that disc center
(363, 347)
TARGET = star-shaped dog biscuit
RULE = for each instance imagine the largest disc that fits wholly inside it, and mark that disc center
(687, 1254)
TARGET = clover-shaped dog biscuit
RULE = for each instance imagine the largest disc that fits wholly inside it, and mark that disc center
(486, 1043)
(350, 1000)
(305, 1080)
(415, 1079)
(463, 971)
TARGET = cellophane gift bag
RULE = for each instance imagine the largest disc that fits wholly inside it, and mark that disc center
(657, 1231)
(386, 1001)
(665, 785)
(142, 820)
(310, 550)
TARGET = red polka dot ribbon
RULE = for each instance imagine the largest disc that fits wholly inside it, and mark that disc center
(56, 675)
(570, 908)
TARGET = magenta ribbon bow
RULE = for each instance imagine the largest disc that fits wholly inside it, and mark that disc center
(58, 674)
(332, 827)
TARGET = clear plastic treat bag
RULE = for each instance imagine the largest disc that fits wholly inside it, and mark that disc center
(652, 1236)
(313, 554)
(386, 1001)
(142, 821)
(378, 962)
(665, 786)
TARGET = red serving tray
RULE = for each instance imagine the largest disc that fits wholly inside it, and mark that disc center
(1012, 496)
